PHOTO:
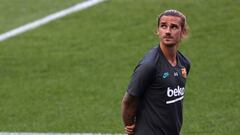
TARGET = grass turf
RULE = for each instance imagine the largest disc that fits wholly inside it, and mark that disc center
(70, 75)
(15, 13)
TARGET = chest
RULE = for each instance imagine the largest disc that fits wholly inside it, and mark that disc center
(167, 76)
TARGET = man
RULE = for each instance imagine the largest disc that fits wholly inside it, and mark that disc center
(153, 102)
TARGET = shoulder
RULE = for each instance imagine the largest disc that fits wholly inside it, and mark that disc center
(145, 69)
(151, 57)
(148, 62)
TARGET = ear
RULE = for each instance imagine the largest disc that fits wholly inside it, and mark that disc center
(184, 33)
(157, 31)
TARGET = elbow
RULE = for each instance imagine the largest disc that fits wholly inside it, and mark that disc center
(124, 104)
(129, 102)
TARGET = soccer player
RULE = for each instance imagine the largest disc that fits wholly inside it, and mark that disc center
(153, 102)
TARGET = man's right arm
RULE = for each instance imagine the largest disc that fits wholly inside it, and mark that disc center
(129, 109)
(141, 79)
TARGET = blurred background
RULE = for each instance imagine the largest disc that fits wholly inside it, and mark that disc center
(70, 75)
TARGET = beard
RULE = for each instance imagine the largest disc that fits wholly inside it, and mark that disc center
(169, 41)
(169, 44)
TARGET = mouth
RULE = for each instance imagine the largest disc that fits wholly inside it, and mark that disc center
(168, 37)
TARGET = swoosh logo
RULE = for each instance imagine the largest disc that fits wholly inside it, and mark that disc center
(165, 75)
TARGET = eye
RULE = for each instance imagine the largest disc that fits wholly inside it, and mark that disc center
(174, 27)
(164, 26)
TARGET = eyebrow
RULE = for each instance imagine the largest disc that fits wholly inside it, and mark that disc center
(170, 23)
(174, 24)
(161, 23)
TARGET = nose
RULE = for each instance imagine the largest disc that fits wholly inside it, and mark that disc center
(168, 30)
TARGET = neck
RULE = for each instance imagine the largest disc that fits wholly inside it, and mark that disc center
(170, 53)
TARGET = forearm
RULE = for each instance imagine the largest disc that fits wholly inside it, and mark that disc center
(128, 115)
(129, 108)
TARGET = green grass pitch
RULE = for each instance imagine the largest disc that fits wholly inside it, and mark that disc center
(70, 75)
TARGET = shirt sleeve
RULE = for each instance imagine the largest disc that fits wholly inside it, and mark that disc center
(141, 78)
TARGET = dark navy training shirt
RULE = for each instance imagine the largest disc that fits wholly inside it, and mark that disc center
(160, 88)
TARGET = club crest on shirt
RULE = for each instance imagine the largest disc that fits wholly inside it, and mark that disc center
(184, 72)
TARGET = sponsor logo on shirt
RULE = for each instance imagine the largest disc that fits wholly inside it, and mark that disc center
(165, 75)
(176, 92)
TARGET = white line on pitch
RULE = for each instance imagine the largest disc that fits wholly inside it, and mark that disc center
(49, 18)
(29, 133)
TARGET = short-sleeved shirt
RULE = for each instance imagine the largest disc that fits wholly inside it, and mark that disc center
(160, 88)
